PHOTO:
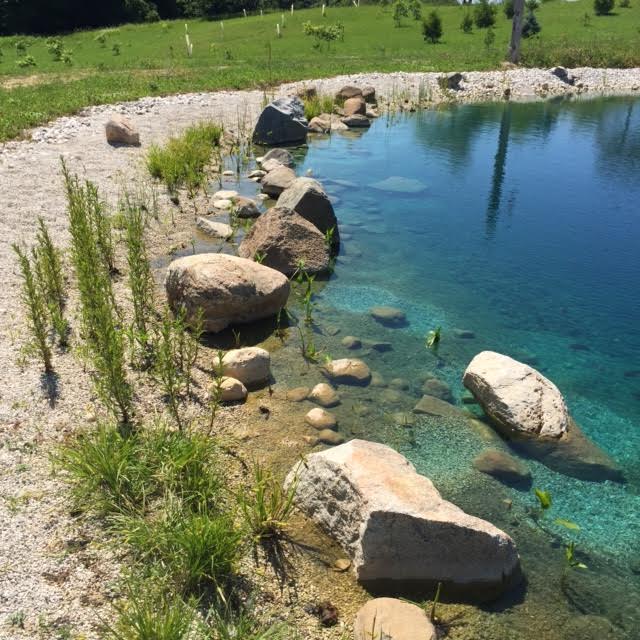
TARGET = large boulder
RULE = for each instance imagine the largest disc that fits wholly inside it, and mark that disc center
(516, 397)
(393, 619)
(120, 131)
(400, 534)
(281, 122)
(308, 199)
(283, 238)
(353, 106)
(249, 365)
(277, 180)
(229, 290)
(529, 409)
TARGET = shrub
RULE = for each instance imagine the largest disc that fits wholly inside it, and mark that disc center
(55, 48)
(603, 7)
(315, 105)
(36, 308)
(323, 33)
(467, 23)
(182, 160)
(624, 4)
(530, 25)
(432, 28)
(489, 38)
(508, 9)
(400, 10)
(27, 61)
(485, 15)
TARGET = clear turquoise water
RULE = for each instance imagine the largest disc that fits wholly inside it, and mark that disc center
(527, 232)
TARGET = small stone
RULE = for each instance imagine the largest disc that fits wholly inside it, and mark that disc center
(324, 395)
(403, 419)
(120, 131)
(377, 380)
(257, 173)
(232, 390)
(341, 564)
(502, 466)
(391, 396)
(378, 345)
(225, 194)
(228, 173)
(393, 619)
(312, 441)
(399, 383)
(250, 365)
(223, 205)
(320, 419)
(351, 342)
(271, 164)
(328, 614)
(298, 394)
(348, 91)
(246, 208)
(214, 229)
(356, 121)
(328, 436)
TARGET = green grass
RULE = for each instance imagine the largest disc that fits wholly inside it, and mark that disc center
(153, 58)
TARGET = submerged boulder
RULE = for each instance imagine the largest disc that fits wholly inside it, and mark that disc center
(281, 122)
(229, 290)
(400, 534)
(347, 371)
(283, 238)
(308, 199)
(502, 466)
(529, 409)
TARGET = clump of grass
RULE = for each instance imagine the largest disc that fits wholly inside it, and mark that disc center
(48, 263)
(182, 161)
(133, 217)
(92, 259)
(266, 506)
(314, 105)
(34, 302)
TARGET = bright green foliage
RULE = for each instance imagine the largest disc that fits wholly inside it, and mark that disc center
(266, 505)
(182, 161)
(48, 263)
(315, 105)
(133, 215)
(323, 33)
(432, 27)
(92, 258)
(229, 624)
(485, 14)
(433, 338)
(570, 557)
(603, 7)
(467, 23)
(400, 10)
(35, 305)
(544, 498)
(567, 524)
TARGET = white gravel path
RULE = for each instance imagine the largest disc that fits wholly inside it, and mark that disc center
(53, 575)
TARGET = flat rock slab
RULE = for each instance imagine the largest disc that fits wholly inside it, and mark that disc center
(398, 184)
(432, 406)
(228, 289)
(388, 316)
(400, 534)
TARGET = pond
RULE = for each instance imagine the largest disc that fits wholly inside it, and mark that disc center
(515, 228)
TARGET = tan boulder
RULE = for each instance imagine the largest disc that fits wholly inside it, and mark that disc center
(250, 365)
(388, 316)
(232, 390)
(397, 529)
(324, 395)
(348, 91)
(429, 405)
(437, 388)
(328, 436)
(228, 289)
(214, 229)
(355, 105)
(283, 238)
(356, 121)
(120, 131)
(320, 419)
(297, 394)
(347, 371)
(393, 619)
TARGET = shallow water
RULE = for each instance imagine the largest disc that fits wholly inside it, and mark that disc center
(522, 224)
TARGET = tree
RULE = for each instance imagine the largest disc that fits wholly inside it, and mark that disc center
(603, 7)
(432, 27)
(508, 9)
(467, 23)
(415, 7)
(530, 26)
(485, 15)
(400, 10)
(516, 32)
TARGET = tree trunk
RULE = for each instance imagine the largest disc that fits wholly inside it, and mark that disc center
(516, 31)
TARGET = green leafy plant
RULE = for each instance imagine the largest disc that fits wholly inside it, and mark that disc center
(266, 506)
(489, 38)
(316, 104)
(327, 33)
(54, 48)
(27, 61)
(259, 257)
(508, 9)
(432, 27)
(433, 338)
(570, 559)
(544, 499)
(329, 235)
(36, 308)
(215, 393)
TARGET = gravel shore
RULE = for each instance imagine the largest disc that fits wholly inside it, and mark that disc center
(54, 572)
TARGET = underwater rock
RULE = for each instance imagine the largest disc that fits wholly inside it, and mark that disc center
(388, 316)
(529, 408)
(502, 466)
(400, 534)
(378, 345)
(283, 239)
(399, 383)
(351, 342)
(250, 365)
(432, 406)
(437, 388)
(516, 397)
(298, 394)
(589, 627)
(391, 396)
(377, 380)
(329, 436)
(464, 334)
(355, 105)
(324, 395)
(356, 121)
(120, 131)
(347, 371)
(232, 390)
(393, 619)
(320, 419)
(228, 289)
(277, 180)
(214, 229)
(281, 122)
(282, 156)
(309, 200)
(398, 184)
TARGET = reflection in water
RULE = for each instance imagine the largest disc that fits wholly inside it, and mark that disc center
(493, 207)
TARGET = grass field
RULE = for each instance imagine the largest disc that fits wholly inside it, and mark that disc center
(151, 59)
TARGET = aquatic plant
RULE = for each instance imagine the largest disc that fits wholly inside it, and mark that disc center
(432, 614)
(433, 338)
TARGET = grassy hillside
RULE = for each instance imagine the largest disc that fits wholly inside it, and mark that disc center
(151, 59)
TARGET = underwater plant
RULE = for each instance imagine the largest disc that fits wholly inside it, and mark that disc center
(433, 338)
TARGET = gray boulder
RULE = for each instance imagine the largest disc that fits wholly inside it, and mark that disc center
(284, 238)
(394, 525)
(245, 208)
(281, 155)
(309, 200)
(277, 180)
(281, 122)
(228, 289)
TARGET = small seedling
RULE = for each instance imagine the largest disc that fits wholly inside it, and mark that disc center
(433, 338)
